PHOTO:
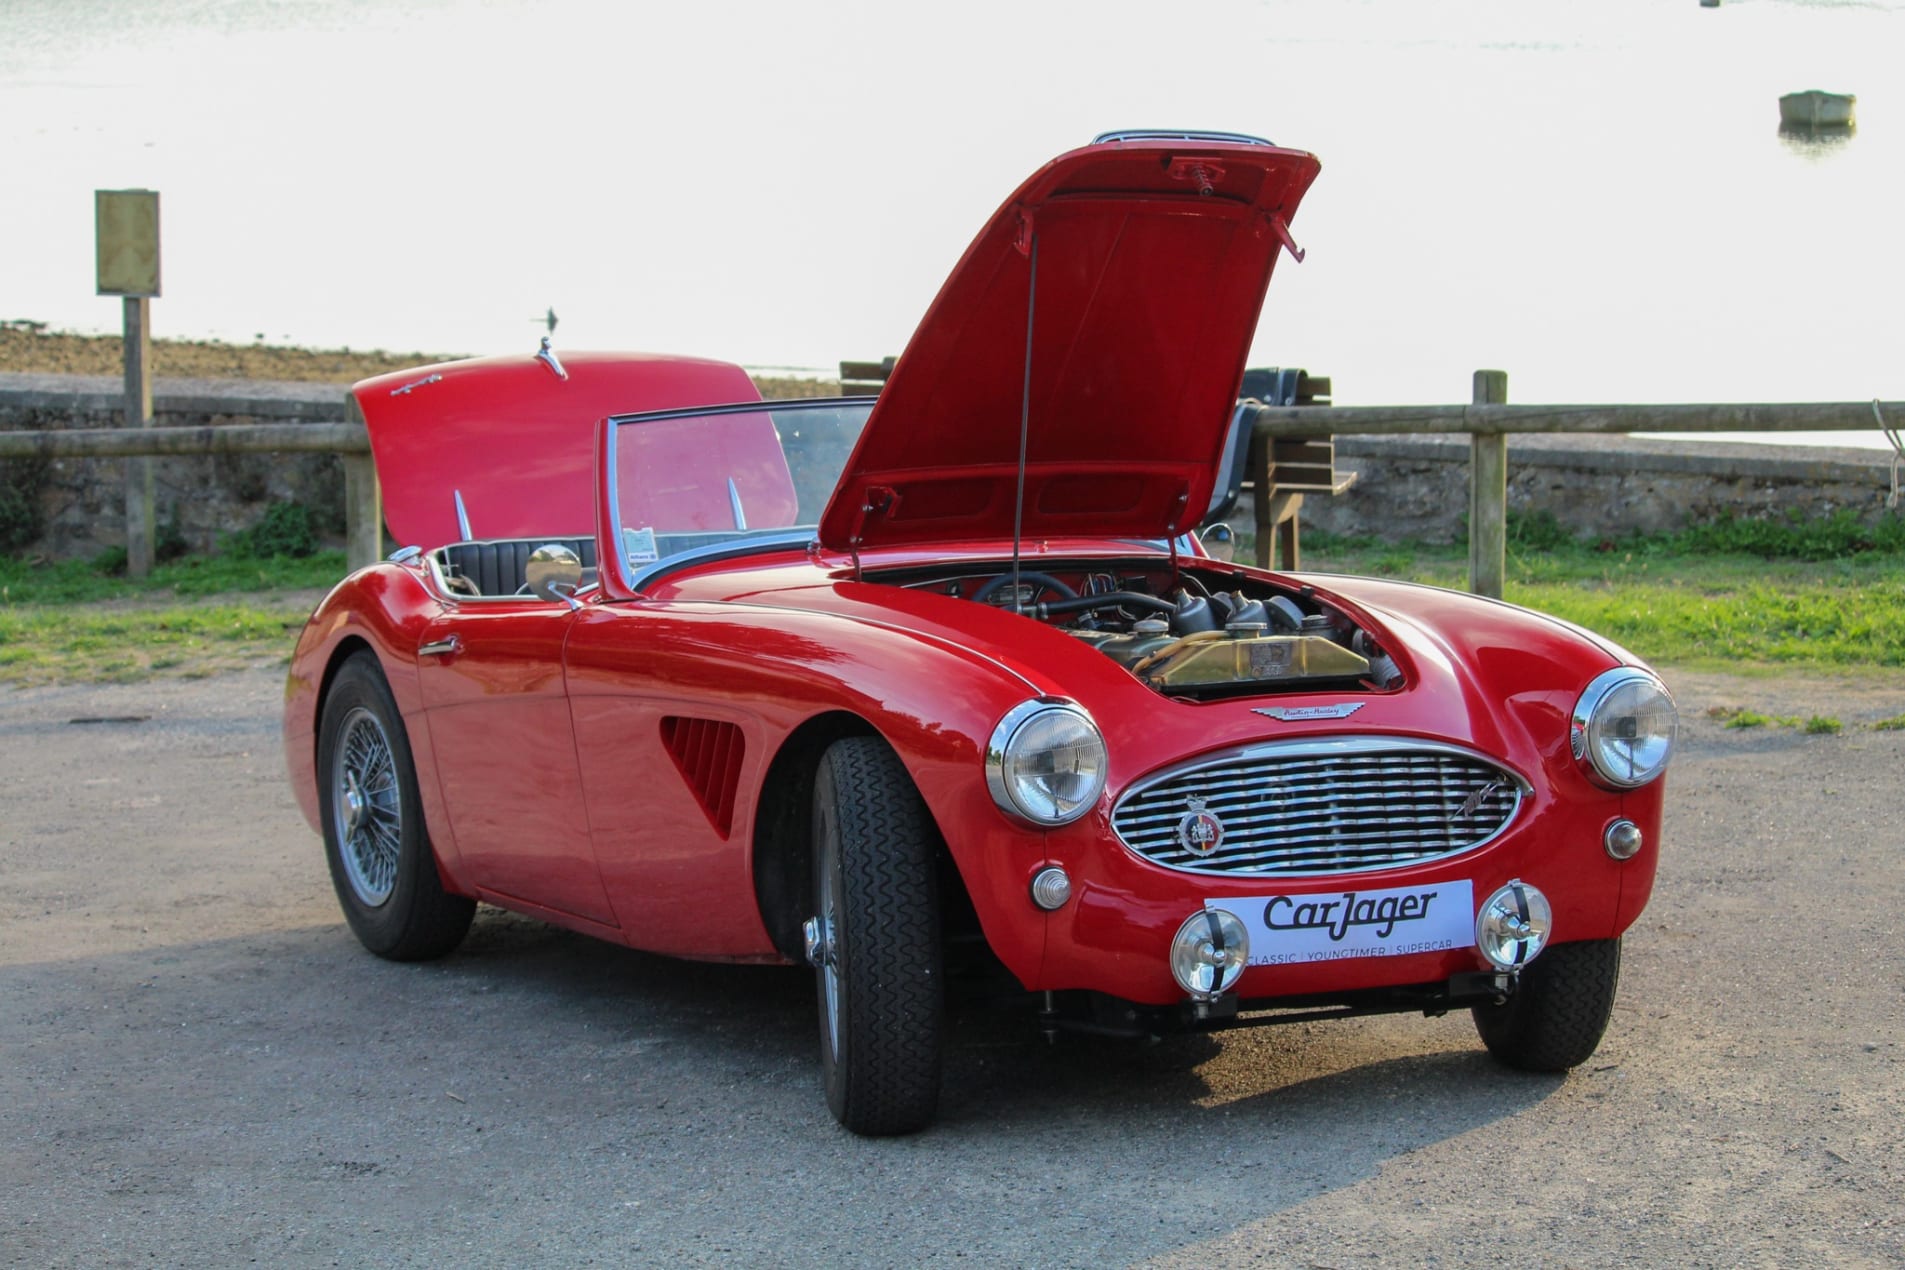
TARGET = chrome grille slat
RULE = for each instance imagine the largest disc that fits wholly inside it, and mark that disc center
(1338, 805)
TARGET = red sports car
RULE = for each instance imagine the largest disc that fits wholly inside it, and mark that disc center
(943, 682)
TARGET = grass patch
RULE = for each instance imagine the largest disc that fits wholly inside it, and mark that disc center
(1671, 600)
(89, 581)
(1817, 725)
(85, 643)
(1746, 597)
(1894, 724)
(77, 621)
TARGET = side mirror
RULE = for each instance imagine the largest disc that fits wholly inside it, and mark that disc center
(554, 573)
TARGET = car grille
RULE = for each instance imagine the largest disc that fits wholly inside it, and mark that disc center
(1338, 806)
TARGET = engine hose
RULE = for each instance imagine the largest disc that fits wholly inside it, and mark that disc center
(1109, 600)
(993, 587)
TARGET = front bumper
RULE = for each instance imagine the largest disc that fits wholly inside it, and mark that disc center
(1114, 935)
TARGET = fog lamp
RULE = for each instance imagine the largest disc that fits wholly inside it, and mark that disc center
(1051, 888)
(1513, 925)
(1209, 953)
(1623, 839)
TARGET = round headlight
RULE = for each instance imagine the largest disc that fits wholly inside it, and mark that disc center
(1046, 763)
(1624, 727)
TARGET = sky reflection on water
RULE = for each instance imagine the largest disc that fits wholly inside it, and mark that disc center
(1597, 198)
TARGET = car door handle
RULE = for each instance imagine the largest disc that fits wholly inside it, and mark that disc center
(453, 644)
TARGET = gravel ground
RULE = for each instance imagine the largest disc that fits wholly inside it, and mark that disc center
(199, 1066)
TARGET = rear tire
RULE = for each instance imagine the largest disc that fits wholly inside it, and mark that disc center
(1559, 1010)
(382, 863)
(880, 979)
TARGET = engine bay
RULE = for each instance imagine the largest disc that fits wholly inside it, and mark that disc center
(1192, 631)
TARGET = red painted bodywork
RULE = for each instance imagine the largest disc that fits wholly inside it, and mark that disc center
(1149, 282)
(505, 432)
(604, 767)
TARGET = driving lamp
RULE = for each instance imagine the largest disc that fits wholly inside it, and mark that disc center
(1209, 953)
(1513, 924)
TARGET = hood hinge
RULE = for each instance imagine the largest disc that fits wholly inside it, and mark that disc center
(880, 500)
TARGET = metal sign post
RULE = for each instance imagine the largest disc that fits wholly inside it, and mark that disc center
(126, 224)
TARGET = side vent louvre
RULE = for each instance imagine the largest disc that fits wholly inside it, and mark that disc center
(708, 753)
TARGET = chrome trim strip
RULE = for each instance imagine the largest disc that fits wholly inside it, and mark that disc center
(744, 407)
(446, 594)
(415, 384)
(1321, 748)
(769, 540)
(618, 554)
(1179, 134)
(734, 504)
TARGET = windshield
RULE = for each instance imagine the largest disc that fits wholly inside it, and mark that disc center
(686, 481)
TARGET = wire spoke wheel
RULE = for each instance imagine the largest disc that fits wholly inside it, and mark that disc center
(381, 860)
(368, 807)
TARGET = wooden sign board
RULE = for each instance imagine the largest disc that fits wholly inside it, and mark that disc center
(126, 224)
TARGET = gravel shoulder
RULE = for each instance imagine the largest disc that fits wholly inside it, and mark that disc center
(198, 1064)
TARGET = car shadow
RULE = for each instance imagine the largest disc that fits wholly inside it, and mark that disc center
(291, 1065)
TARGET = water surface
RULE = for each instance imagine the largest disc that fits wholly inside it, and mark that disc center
(1596, 198)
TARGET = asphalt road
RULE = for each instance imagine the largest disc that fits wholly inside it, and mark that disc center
(199, 1066)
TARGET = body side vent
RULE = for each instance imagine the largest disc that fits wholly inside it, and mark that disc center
(708, 754)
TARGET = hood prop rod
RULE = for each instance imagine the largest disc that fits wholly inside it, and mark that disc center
(1025, 417)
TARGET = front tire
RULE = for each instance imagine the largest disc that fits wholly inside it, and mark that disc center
(1560, 1008)
(875, 941)
(382, 863)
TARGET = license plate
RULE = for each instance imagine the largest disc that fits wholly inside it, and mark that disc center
(1339, 925)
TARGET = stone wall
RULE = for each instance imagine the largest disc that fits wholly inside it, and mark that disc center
(1417, 487)
(1408, 487)
(83, 502)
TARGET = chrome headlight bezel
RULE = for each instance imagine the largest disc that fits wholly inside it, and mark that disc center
(1610, 698)
(1011, 773)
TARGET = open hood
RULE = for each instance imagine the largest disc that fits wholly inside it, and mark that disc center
(1152, 258)
(514, 436)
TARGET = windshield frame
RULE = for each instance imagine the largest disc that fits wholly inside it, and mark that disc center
(612, 542)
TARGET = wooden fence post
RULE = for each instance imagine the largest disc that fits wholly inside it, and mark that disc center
(363, 512)
(1488, 493)
(140, 520)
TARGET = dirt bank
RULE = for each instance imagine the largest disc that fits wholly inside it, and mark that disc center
(27, 348)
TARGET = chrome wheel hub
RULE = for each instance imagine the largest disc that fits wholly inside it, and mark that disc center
(355, 805)
(819, 940)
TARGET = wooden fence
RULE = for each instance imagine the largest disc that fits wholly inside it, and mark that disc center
(363, 506)
(1487, 420)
